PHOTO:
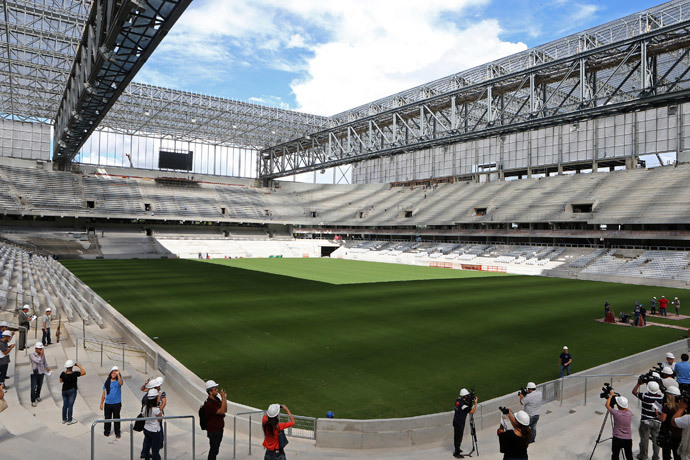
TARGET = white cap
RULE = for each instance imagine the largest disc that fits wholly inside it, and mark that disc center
(653, 387)
(531, 386)
(273, 410)
(672, 389)
(667, 370)
(670, 355)
(210, 384)
(6, 333)
(152, 393)
(565, 347)
(4, 323)
(26, 307)
(114, 368)
(522, 418)
(48, 309)
(38, 345)
(69, 363)
(464, 392)
(622, 402)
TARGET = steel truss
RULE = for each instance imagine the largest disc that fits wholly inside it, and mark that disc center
(623, 65)
(118, 38)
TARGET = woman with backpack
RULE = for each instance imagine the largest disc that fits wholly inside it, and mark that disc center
(111, 400)
(152, 428)
(274, 437)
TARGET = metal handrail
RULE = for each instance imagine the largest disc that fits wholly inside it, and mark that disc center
(114, 345)
(234, 431)
(165, 418)
(586, 377)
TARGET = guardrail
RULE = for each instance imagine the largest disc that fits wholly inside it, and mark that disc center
(587, 377)
(305, 428)
(102, 346)
(165, 419)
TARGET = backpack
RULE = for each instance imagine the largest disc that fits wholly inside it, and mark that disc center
(203, 420)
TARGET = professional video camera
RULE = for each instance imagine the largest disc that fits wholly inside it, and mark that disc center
(523, 391)
(472, 394)
(650, 377)
(504, 410)
(606, 391)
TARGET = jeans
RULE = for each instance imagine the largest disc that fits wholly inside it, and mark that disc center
(649, 429)
(533, 419)
(458, 431)
(68, 398)
(214, 439)
(36, 385)
(564, 368)
(147, 451)
(666, 453)
(111, 411)
(46, 336)
(152, 440)
(3, 372)
(617, 444)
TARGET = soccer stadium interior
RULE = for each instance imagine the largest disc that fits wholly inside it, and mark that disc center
(567, 160)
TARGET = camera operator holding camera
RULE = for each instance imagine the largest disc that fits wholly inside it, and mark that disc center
(514, 442)
(669, 431)
(465, 404)
(531, 398)
(649, 424)
(667, 378)
(622, 433)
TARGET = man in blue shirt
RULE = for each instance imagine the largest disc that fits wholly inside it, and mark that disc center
(564, 361)
(112, 398)
(683, 373)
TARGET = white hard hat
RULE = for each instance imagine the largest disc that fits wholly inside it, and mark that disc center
(26, 307)
(522, 418)
(622, 402)
(531, 386)
(114, 368)
(565, 347)
(48, 309)
(667, 370)
(159, 381)
(670, 355)
(4, 324)
(69, 363)
(38, 345)
(152, 393)
(464, 392)
(273, 410)
(653, 387)
(656, 375)
(655, 297)
(672, 389)
(210, 384)
(6, 334)
(151, 384)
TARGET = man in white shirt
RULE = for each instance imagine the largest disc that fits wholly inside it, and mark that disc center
(532, 402)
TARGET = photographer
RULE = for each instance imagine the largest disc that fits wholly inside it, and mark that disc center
(670, 408)
(531, 398)
(465, 404)
(622, 433)
(649, 424)
(671, 361)
(667, 378)
(514, 442)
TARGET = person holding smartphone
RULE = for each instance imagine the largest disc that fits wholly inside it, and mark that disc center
(111, 400)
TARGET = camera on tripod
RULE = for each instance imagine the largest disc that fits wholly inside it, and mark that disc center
(606, 392)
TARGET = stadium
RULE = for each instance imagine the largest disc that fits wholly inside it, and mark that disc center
(470, 228)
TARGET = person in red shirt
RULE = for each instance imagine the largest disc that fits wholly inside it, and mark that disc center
(663, 303)
(272, 427)
(215, 409)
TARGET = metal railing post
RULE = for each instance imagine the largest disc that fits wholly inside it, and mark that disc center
(123, 356)
(250, 434)
(585, 391)
(193, 441)
(131, 441)
(165, 440)
(77, 350)
(93, 445)
(562, 378)
(234, 437)
(101, 354)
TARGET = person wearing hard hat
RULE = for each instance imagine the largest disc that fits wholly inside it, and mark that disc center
(39, 368)
(274, 437)
(45, 326)
(514, 440)
(4, 326)
(5, 349)
(649, 424)
(663, 304)
(24, 317)
(215, 409)
(564, 361)
(667, 379)
(676, 303)
(532, 403)
(622, 431)
(652, 304)
(111, 400)
(463, 406)
(671, 361)
(152, 428)
(152, 384)
(671, 406)
(68, 378)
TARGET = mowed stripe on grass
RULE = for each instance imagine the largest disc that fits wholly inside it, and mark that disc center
(367, 350)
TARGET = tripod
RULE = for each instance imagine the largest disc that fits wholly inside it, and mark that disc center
(473, 433)
(599, 440)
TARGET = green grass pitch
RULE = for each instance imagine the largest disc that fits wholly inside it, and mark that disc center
(367, 340)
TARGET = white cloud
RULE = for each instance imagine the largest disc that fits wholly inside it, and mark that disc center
(345, 53)
(584, 12)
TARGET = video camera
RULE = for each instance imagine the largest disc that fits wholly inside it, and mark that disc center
(606, 392)
(504, 410)
(472, 394)
(650, 377)
(523, 391)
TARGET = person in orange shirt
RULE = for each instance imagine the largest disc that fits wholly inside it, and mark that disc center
(272, 430)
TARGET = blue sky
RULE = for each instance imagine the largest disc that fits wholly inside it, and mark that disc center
(326, 56)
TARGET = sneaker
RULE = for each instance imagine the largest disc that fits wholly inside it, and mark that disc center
(106, 434)
(38, 399)
(72, 422)
(64, 421)
(118, 436)
(33, 404)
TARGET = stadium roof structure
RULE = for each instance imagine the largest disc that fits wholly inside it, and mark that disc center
(626, 64)
(39, 40)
